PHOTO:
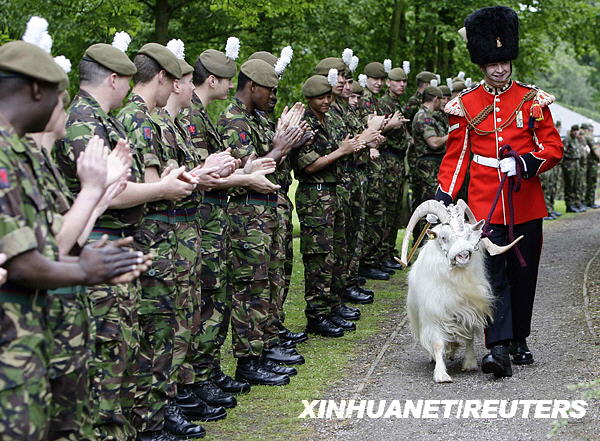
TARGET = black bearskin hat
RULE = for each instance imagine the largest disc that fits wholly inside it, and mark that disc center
(492, 35)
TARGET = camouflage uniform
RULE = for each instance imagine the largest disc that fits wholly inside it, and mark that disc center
(550, 186)
(256, 273)
(318, 211)
(581, 181)
(68, 320)
(394, 161)
(411, 107)
(27, 223)
(114, 307)
(571, 170)
(427, 162)
(374, 207)
(155, 235)
(215, 251)
(591, 174)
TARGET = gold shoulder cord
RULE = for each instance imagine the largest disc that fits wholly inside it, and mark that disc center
(481, 116)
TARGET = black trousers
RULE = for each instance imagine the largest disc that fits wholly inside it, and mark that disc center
(512, 285)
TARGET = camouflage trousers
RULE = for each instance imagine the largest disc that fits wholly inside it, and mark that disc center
(285, 251)
(24, 388)
(374, 215)
(256, 277)
(572, 176)
(157, 324)
(71, 409)
(320, 215)
(423, 185)
(550, 187)
(188, 300)
(581, 182)
(215, 310)
(112, 367)
(395, 204)
(354, 182)
(591, 180)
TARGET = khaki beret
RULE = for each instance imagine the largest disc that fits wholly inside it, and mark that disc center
(375, 70)
(445, 90)
(357, 88)
(323, 66)
(185, 68)
(426, 76)
(218, 64)
(434, 91)
(574, 127)
(111, 58)
(163, 56)
(316, 85)
(265, 56)
(397, 74)
(27, 59)
(261, 72)
(458, 86)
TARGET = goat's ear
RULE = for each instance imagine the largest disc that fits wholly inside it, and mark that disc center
(478, 226)
(431, 234)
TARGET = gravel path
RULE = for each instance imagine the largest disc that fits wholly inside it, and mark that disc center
(565, 350)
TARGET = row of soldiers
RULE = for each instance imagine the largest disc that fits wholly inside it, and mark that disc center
(181, 228)
(578, 173)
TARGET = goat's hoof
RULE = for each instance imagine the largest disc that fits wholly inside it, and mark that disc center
(442, 378)
(470, 365)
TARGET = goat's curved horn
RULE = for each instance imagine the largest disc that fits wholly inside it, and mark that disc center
(431, 206)
(467, 211)
(494, 249)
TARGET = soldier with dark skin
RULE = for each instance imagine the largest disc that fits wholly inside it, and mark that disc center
(30, 92)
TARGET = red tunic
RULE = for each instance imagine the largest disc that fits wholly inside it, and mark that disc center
(540, 149)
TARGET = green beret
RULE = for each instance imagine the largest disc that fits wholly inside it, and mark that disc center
(29, 60)
(66, 99)
(434, 91)
(261, 72)
(185, 68)
(375, 70)
(265, 56)
(357, 88)
(574, 127)
(397, 74)
(586, 126)
(426, 76)
(163, 56)
(322, 68)
(445, 90)
(458, 86)
(218, 64)
(111, 58)
(316, 85)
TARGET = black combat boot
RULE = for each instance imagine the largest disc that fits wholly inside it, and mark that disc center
(229, 385)
(178, 425)
(251, 370)
(283, 355)
(323, 326)
(212, 394)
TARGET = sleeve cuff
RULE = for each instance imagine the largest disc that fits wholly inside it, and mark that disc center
(307, 159)
(532, 165)
(442, 196)
(18, 241)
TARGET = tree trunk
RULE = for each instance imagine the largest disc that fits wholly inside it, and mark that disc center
(397, 24)
(162, 15)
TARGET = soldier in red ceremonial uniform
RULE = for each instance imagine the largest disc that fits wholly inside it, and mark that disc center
(502, 132)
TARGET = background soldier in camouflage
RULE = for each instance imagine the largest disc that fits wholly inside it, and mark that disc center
(571, 169)
(430, 144)
(414, 102)
(550, 181)
(591, 170)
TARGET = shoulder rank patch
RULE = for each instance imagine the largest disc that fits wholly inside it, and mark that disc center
(244, 137)
(192, 129)
(4, 182)
(147, 133)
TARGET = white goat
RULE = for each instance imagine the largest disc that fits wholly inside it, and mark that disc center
(449, 296)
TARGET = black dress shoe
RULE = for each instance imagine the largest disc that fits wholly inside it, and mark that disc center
(342, 323)
(361, 280)
(497, 362)
(212, 394)
(296, 337)
(287, 344)
(283, 355)
(156, 436)
(323, 326)
(229, 385)
(251, 370)
(353, 295)
(178, 425)
(374, 273)
(277, 368)
(392, 264)
(366, 291)
(348, 315)
(520, 352)
(196, 409)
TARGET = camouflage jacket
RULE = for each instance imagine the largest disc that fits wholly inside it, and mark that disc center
(27, 219)
(322, 145)
(425, 126)
(241, 132)
(357, 125)
(412, 106)
(573, 148)
(442, 118)
(86, 119)
(183, 153)
(145, 136)
(398, 139)
(203, 133)
(339, 129)
(370, 103)
(283, 173)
